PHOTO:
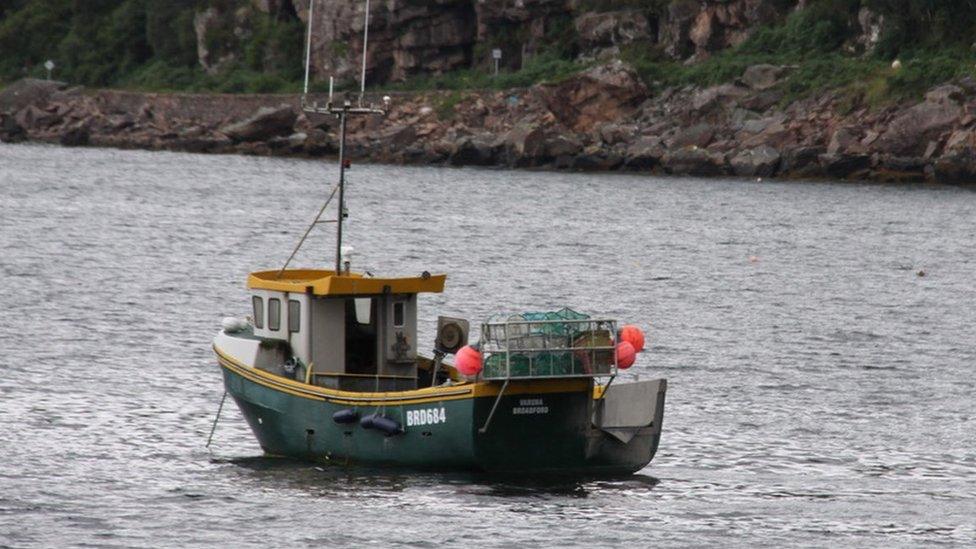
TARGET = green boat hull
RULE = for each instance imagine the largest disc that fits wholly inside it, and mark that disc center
(528, 433)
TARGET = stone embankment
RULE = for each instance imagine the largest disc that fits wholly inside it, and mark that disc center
(601, 120)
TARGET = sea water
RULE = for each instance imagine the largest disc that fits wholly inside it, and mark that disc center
(818, 339)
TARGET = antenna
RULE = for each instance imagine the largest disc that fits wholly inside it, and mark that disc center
(308, 46)
(342, 112)
(362, 81)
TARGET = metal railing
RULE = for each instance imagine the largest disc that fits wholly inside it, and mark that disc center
(520, 348)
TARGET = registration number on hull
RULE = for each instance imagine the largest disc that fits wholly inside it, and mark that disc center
(429, 416)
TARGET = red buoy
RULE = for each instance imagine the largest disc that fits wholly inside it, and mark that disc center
(626, 355)
(633, 335)
(468, 361)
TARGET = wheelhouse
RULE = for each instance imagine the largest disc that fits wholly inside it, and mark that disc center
(348, 332)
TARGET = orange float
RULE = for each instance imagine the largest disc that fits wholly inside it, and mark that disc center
(468, 361)
(633, 335)
(626, 355)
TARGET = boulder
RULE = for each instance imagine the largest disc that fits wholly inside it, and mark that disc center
(294, 143)
(845, 140)
(197, 144)
(946, 93)
(33, 118)
(762, 101)
(763, 77)
(844, 166)
(266, 123)
(644, 154)
(961, 140)
(694, 161)
(529, 146)
(699, 135)
(909, 133)
(802, 162)
(76, 135)
(958, 168)
(28, 91)
(595, 158)
(899, 169)
(475, 150)
(725, 95)
(758, 162)
(605, 93)
(613, 134)
(10, 130)
(320, 143)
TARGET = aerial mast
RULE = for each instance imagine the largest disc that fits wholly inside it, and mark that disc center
(342, 111)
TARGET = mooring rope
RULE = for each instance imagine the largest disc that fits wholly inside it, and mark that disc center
(216, 419)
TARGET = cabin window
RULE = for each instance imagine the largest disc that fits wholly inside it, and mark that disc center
(258, 311)
(363, 307)
(294, 316)
(398, 314)
(274, 314)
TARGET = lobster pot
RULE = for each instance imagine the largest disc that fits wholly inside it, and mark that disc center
(562, 343)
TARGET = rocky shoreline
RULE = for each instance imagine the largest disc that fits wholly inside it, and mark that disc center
(603, 119)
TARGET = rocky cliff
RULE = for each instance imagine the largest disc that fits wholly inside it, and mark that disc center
(409, 38)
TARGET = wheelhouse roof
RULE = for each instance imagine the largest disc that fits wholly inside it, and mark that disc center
(327, 283)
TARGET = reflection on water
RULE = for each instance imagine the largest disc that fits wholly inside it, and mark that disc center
(329, 480)
(820, 390)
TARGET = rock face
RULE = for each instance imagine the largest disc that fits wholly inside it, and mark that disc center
(602, 34)
(697, 29)
(409, 38)
(405, 37)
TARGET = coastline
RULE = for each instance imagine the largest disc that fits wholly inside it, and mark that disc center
(603, 119)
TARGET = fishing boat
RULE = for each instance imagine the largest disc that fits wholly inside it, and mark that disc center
(327, 367)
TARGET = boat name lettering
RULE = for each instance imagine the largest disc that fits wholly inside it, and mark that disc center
(429, 416)
(528, 406)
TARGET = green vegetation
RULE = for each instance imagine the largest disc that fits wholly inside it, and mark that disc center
(147, 44)
(818, 43)
(152, 45)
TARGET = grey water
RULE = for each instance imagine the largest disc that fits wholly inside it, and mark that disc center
(821, 390)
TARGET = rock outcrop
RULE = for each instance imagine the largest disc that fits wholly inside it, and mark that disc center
(601, 119)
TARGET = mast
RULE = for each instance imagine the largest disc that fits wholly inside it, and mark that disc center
(342, 112)
(342, 187)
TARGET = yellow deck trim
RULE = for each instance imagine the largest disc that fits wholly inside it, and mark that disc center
(417, 396)
(326, 283)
